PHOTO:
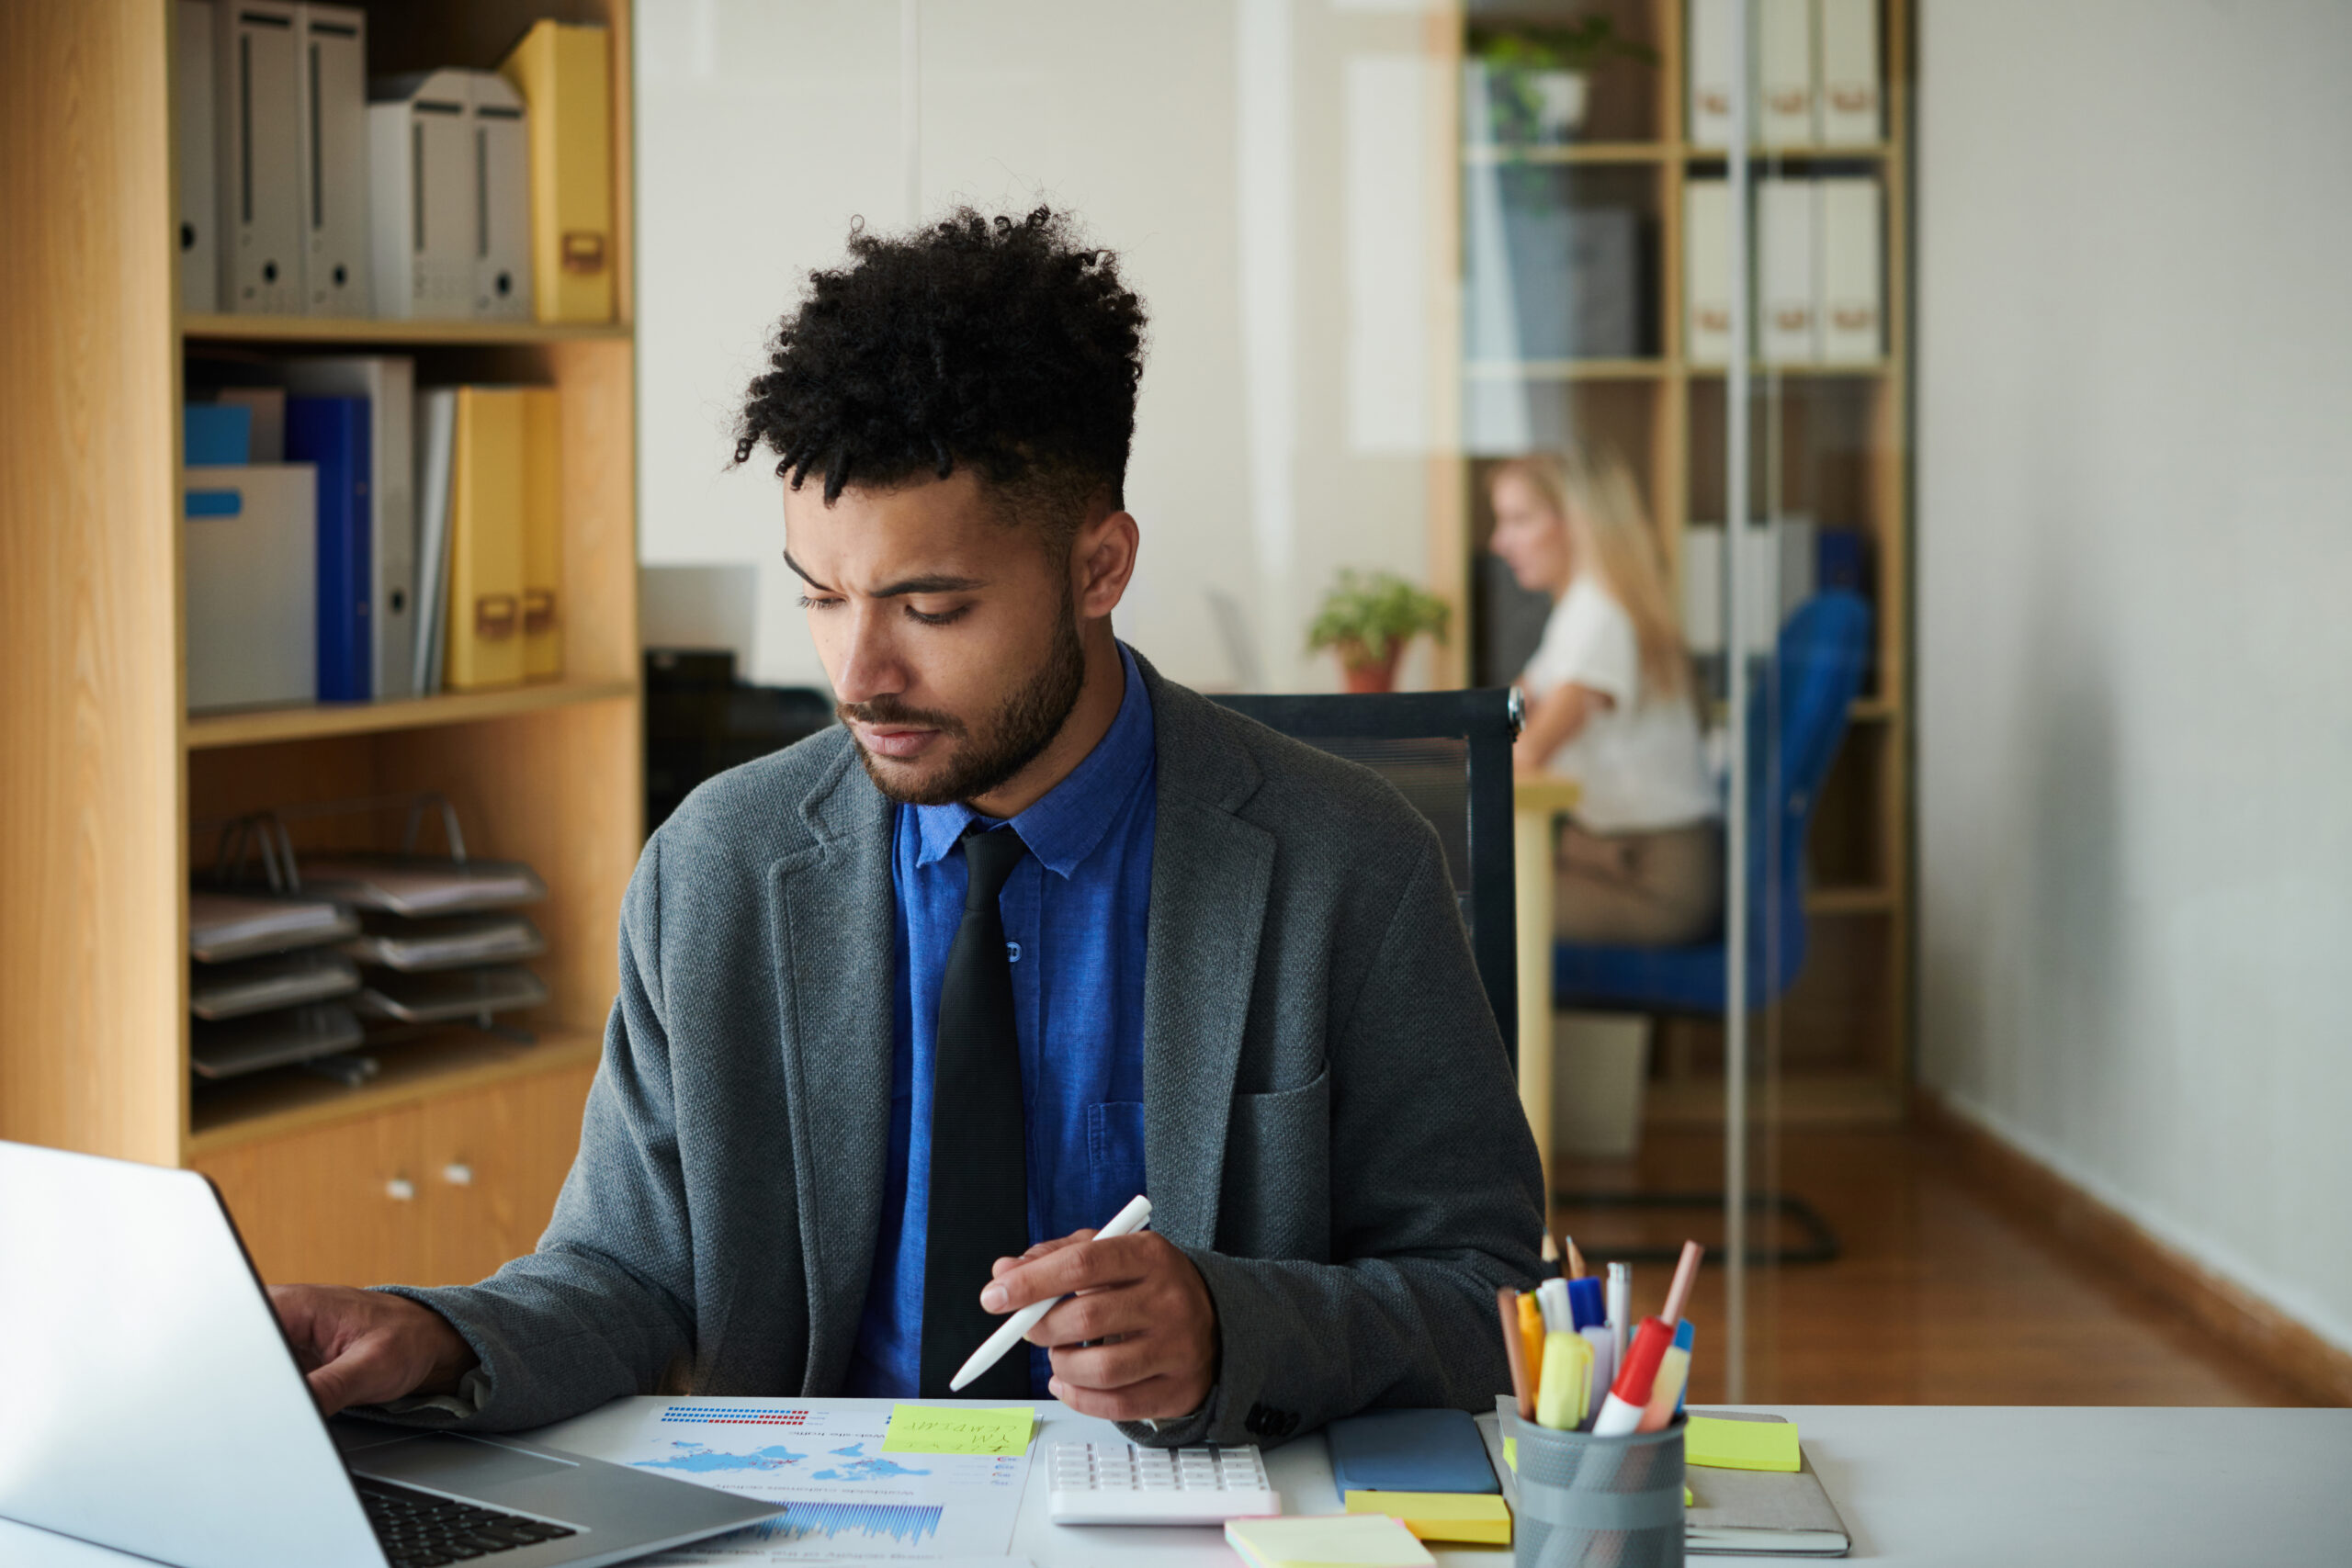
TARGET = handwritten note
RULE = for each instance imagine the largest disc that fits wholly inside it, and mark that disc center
(1740, 1445)
(956, 1429)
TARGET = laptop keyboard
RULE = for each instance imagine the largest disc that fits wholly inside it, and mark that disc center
(421, 1530)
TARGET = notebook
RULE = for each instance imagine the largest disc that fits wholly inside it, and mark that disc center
(1761, 1512)
(1410, 1450)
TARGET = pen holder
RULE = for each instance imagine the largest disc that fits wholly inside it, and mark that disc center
(1588, 1500)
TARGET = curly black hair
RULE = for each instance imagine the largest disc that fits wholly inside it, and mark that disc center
(1005, 344)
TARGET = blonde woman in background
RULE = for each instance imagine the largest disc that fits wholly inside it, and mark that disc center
(1610, 704)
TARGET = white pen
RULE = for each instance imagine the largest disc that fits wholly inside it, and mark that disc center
(1130, 1220)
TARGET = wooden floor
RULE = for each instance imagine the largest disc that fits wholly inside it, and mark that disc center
(1936, 1297)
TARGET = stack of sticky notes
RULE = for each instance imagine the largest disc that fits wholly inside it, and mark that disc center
(1718, 1444)
(1327, 1540)
(1440, 1516)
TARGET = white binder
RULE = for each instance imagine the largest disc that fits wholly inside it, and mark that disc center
(1849, 73)
(1777, 572)
(1706, 272)
(249, 560)
(1786, 320)
(334, 148)
(1713, 24)
(197, 201)
(436, 444)
(1784, 79)
(1852, 309)
(258, 111)
(389, 383)
(503, 213)
(422, 195)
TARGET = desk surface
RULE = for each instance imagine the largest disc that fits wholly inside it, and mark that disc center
(1917, 1485)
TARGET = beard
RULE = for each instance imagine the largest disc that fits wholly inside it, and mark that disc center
(988, 756)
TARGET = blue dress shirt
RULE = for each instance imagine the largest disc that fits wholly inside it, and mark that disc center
(1074, 915)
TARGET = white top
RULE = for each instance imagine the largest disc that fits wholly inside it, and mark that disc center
(1641, 763)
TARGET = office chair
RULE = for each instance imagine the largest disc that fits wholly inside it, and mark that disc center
(1449, 754)
(1794, 725)
(1795, 721)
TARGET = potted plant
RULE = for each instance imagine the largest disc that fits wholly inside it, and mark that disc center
(1538, 79)
(1367, 619)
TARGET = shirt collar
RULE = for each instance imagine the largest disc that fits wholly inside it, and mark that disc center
(1063, 828)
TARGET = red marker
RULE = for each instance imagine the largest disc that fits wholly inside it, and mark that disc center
(1629, 1396)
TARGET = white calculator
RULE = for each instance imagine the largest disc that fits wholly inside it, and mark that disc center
(1119, 1484)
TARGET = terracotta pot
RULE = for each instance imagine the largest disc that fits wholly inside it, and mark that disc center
(1366, 674)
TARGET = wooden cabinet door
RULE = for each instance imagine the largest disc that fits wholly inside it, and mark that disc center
(494, 1161)
(343, 1205)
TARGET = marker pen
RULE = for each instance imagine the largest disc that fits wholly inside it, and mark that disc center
(1604, 1364)
(1552, 1295)
(1621, 1306)
(1629, 1396)
(1531, 1338)
(1585, 1305)
(1568, 1381)
(1673, 1376)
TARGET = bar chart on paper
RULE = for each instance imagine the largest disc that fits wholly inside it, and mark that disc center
(844, 1499)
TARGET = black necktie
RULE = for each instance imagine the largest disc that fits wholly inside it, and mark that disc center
(979, 1164)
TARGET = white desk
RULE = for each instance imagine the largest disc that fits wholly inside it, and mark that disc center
(1917, 1486)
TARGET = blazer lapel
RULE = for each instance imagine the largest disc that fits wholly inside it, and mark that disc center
(836, 958)
(1210, 875)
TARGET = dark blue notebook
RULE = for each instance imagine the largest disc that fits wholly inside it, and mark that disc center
(1410, 1450)
(331, 434)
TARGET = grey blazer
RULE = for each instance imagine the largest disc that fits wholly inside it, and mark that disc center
(1331, 1132)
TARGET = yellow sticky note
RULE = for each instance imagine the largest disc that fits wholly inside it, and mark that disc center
(1327, 1540)
(1440, 1516)
(952, 1429)
(1740, 1445)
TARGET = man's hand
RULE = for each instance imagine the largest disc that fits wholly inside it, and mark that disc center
(1139, 1339)
(364, 1346)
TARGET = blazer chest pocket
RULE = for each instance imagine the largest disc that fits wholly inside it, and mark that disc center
(1277, 1200)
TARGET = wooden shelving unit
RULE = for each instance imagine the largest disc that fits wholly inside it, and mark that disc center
(1835, 437)
(448, 1161)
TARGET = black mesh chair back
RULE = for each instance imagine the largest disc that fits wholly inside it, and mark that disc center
(1449, 753)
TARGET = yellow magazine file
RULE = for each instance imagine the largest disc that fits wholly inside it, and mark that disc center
(486, 499)
(542, 534)
(564, 73)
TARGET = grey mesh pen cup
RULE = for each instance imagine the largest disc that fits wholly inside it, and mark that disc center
(1587, 1501)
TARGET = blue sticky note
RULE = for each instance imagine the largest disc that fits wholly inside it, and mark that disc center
(218, 435)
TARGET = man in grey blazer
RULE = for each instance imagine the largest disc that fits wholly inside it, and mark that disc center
(854, 1108)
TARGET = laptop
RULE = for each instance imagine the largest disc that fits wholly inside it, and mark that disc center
(149, 1403)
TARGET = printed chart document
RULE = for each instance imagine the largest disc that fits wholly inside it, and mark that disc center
(848, 1501)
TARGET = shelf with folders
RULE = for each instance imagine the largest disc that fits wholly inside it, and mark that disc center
(337, 164)
(214, 327)
(1829, 413)
(107, 771)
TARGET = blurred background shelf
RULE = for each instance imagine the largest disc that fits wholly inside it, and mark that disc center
(448, 1162)
(319, 720)
(212, 327)
(272, 1104)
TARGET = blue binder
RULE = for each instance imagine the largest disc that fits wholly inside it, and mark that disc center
(331, 434)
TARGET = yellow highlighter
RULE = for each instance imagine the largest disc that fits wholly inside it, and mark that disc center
(1566, 1389)
(1531, 1335)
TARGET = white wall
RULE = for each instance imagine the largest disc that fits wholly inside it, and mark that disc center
(2135, 595)
(1241, 156)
